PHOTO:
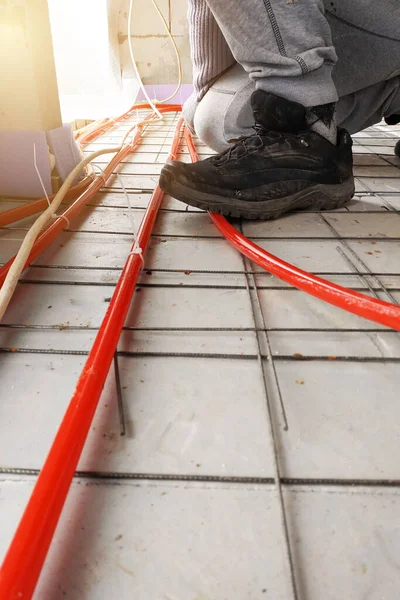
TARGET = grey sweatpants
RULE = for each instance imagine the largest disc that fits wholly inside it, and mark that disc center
(308, 51)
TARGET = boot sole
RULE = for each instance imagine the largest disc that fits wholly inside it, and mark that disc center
(319, 197)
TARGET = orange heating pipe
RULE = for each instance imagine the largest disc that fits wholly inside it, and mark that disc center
(24, 560)
(26, 555)
(54, 229)
(90, 127)
(359, 304)
(107, 124)
(32, 208)
(84, 136)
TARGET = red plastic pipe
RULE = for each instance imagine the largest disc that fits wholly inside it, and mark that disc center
(22, 212)
(24, 560)
(364, 306)
(54, 229)
(32, 208)
(84, 135)
(80, 130)
(92, 127)
(103, 126)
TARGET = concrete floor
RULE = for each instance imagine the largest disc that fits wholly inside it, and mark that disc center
(185, 507)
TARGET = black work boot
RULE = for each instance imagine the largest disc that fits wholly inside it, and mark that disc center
(394, 120)
(283, 166)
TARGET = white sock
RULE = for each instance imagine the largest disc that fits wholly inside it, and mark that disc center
(322, 120)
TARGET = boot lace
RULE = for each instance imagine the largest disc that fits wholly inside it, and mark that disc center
(247, 144)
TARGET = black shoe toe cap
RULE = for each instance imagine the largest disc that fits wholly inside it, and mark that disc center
(170, 172)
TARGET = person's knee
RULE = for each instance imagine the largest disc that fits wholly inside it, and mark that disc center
(209, 123)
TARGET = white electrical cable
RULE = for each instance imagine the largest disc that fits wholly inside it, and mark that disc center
(44, 189)
(137, 249)
(134, 127)
(17, 267)
(38, 174)
(134, 64)
(177, 53)
(136, 69)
